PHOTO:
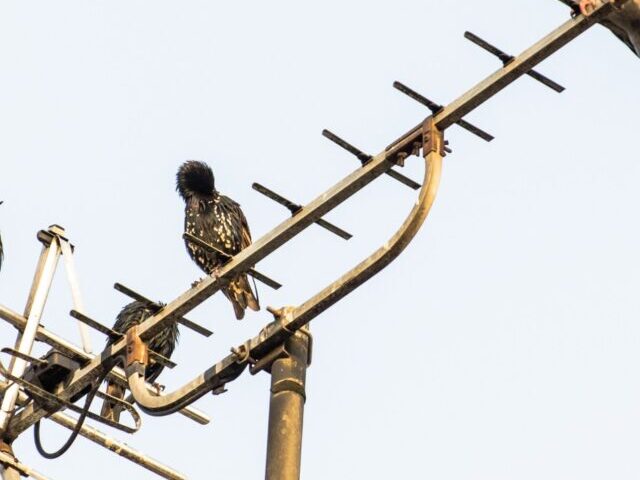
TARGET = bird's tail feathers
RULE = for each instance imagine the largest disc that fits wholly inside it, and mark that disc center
(195, 178)
(241, 295)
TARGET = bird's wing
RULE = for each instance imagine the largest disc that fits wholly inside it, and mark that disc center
(244, 226)
(131, 314)
(237, 222)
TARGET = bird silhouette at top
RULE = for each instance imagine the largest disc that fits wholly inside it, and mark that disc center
(163, 343)
(219, 221)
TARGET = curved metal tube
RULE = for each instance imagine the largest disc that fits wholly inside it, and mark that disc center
(380, 258)
(160, 405)
(230, 368)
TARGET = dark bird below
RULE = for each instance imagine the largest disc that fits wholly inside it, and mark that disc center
(163, 343)
(219, 221)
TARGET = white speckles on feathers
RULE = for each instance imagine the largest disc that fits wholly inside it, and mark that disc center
(219, 221)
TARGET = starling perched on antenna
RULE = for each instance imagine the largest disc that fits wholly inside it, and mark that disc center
(219, 221)
(624, 22)
(163, 343)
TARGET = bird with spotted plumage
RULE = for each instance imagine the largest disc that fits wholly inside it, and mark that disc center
(163, 343)
(219, 221)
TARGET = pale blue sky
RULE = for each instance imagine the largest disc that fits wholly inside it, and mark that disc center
(503, 344)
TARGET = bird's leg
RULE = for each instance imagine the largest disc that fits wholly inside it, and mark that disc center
(587, 7)
(215, 273)
(159, 388)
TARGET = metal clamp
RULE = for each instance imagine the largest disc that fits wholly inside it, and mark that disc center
(137, 351)
(433, 139)
(266, 361)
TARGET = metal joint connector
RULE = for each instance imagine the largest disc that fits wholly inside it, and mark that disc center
(433, 138)
(136, 349)
(289, 385)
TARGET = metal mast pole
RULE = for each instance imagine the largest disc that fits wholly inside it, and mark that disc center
(35, 306)
(286, 409)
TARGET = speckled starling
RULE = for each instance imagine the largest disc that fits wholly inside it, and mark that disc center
(163, 343)
(219, 221)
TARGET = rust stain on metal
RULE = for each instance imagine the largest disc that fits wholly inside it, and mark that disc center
(136, 349)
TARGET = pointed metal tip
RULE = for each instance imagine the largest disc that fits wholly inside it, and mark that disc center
(326, 133)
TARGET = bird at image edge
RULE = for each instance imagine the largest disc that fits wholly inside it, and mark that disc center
(218, 221)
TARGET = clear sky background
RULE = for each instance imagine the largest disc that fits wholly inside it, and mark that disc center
(502, 344)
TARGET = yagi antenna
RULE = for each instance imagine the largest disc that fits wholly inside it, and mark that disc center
(365, 158)
(294, 208)
(437, 108)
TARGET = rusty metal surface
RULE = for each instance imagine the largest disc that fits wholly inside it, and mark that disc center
(136, 349)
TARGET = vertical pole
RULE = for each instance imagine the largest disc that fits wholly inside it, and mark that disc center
(35, 305)
(74, 284)
(286, 410)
